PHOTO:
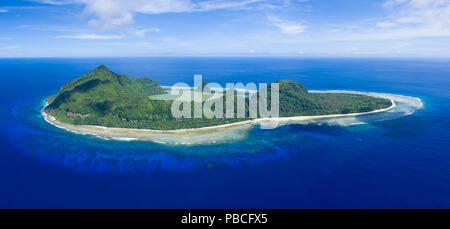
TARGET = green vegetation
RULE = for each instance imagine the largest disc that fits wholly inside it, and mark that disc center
(104, 98)
(296, 101)
(167, 96)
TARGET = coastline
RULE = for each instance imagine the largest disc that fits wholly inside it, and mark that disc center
(203, 135)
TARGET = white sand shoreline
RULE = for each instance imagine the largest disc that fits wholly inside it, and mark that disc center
(203, 135)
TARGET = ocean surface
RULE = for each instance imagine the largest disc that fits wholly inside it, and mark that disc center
(400, 161)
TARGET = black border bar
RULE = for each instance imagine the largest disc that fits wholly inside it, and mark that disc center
(249, 217)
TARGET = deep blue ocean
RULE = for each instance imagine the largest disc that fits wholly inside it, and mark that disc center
(398, 163)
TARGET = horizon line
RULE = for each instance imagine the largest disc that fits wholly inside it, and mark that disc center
(228, 56)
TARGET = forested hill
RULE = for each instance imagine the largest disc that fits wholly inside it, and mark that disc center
(102, 97)
(111, 83)
(295, 100)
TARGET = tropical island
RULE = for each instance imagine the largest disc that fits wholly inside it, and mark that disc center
(104, 98)
(114, 106)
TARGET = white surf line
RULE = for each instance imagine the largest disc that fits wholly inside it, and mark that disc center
(303, 118)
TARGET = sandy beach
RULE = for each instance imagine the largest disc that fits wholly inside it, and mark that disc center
(204, 135)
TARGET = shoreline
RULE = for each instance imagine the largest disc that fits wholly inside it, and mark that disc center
(202, 135)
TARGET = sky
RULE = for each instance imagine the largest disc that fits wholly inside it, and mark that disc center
(121, 28)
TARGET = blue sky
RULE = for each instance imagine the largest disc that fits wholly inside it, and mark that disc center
(103, 28)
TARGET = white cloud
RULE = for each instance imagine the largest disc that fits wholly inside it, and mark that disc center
(3, 11)
(417, 18)
(143, 32)
(405, 19)
(287, 27)
(111, 13)
(9, 47)
(218, 4)
(391, 3)
(90, 37)
(385, 24)
(56, 2)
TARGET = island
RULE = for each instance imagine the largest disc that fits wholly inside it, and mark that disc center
(105, 103)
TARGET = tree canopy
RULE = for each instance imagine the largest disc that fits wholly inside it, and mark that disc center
(102, 97)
